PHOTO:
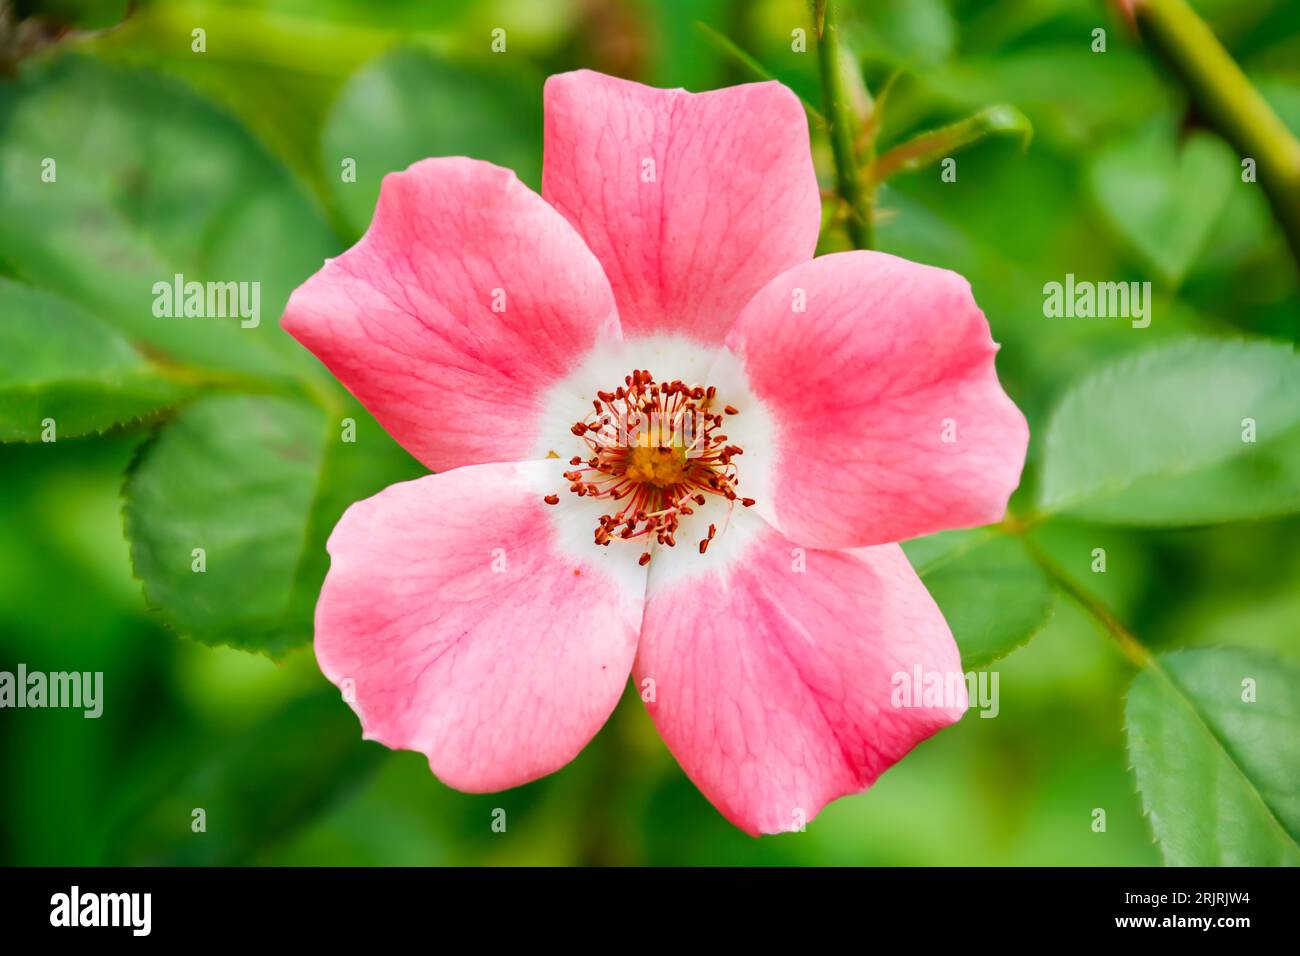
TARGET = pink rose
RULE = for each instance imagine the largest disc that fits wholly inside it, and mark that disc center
(669, 443)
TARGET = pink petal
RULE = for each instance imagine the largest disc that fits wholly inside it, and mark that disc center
(774, 687)
(891, 422)
(406, 320)
(467, 628)
(734, 199)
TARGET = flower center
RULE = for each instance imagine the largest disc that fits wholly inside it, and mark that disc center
(661, 466)
(656, 451)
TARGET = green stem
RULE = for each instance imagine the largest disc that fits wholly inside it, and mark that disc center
(197, 377)
(1225, 97)
(312, 387)
(1128, 643)
(602, 842)
(857, 196)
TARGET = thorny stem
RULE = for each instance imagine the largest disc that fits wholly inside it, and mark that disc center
(857, 196)
(1225, 97)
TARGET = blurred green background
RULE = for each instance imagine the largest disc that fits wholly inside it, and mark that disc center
(229, 161)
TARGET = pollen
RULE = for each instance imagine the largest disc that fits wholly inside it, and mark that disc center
(655, 451)
(662, 467)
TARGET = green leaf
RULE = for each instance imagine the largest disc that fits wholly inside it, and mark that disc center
(1076, 98)
(256, 792)
(1219, 773)
(59, 363)
(994, 597)
(1157, 438)
(303, 49)
(1164, 197)
(257, 483)
(117, 179)
(409, 105)
(934, 145)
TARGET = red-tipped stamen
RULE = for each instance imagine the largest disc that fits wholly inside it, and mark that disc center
(655, 448)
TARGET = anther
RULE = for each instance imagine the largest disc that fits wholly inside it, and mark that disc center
(659, 465)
